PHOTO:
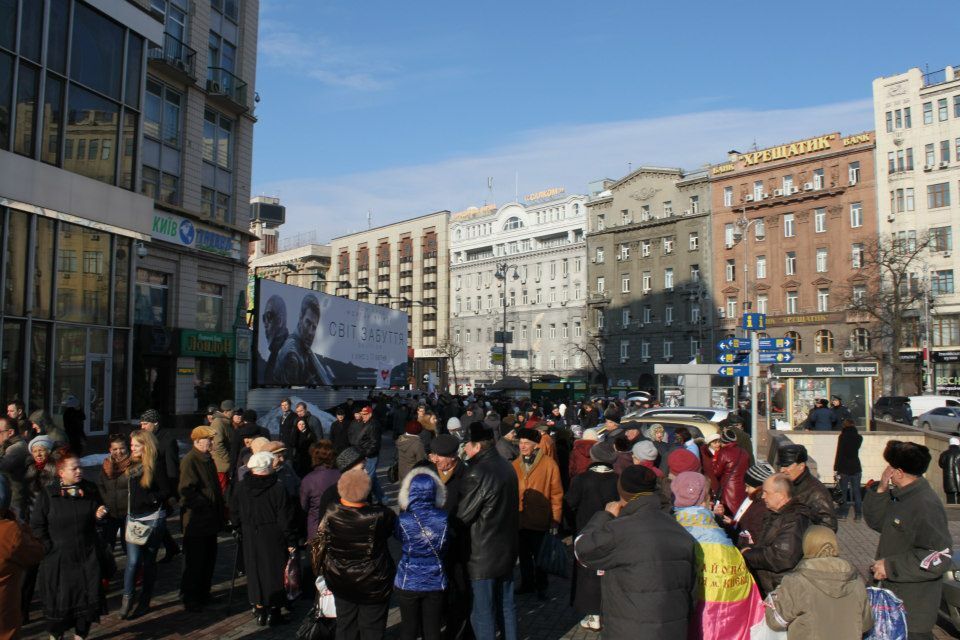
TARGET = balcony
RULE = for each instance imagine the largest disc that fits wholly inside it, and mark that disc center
(224, 87)
(176, 57)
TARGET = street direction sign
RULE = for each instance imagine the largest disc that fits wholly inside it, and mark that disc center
(497, 350)
(519, 353)
(734, 343)
(767, 344)
(731, 357)
(776, 356)
(737, 372)
(754, 321)
(503, 337)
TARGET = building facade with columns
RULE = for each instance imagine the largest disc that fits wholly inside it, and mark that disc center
(540, 246)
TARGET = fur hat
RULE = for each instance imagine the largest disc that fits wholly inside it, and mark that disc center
(727, 434)
(479, 432)
(424, 484)
(198, 433)
(689, 489)
(529, 434)
(41, 441)
(603, 452)
(354, 485)
(348, 458)
(644, 451)
(909, 457)
(681, 460)
(791, 453)
(262, 461)
(635, 480)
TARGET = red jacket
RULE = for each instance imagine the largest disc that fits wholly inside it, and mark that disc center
(580, 457)
(729, 466)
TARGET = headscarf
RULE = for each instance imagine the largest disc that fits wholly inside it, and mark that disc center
(820, 542)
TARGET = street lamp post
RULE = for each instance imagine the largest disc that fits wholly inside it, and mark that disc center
(504, 269)
(743, 225)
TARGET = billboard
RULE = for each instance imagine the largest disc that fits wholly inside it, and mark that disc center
(307, 338)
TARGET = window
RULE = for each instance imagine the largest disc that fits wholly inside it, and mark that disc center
(524, 297)
(695, 273)
(823, 341)
(512, 224)
(761, 267)
(889, 120)
(823, 300)
(217, 139)
(565, 269)
(929, 155)
(945, 330)
(908, 199)
(209, 306)
(523, 332)
(600, 285)
(906, 118)
(456, 336)
(645, 213)
(625, 317)
(667, 209)
(941, 239)
(647, 314)
(668, 315)
(821, 259)
(859, 294)
(152, 294)
(694, 241)
(553, 295)
(599, 255)
(856, 214)
(762, 303)
(624, 251)
(731, 270)
(793, 300)
(577, 329)
(553, 269)
(818, 178)
(577, 265)
(553, 332)
(853, 172)
(668, 278)
(938, 195)
(694, 348)
(645, 248)
(668, 349)
(942, 109)
(695, 312)
(860, 340)
(791, 263)
(538, 296)
(941, 282)
(759, 229)
(624, 284)
(668, 245)
(728, 196)
(538, 331)
(820, 220)
(788, 231)
(758, 190)
(600, 222)
(927, 113)
(625, 216)
(647, 282)
(729, 234)
(856, 255)
(787, 185)
(694, 204)
(944, 151)
(624, 350)
(645, 349)
(731, 307)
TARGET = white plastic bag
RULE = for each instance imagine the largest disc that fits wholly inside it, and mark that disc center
(326, 607)
(761, 631)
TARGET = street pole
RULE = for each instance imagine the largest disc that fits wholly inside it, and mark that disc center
(754, 382)
(503, 329)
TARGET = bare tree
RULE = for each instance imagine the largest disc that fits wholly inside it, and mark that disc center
(451, 351)
(888, 293)
(594, 350)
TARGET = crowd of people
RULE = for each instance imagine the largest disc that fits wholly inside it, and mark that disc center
(676, 533)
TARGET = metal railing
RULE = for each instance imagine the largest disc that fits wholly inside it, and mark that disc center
(176, 54)
(222, 82)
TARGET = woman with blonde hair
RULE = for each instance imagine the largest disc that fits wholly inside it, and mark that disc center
(146, 511)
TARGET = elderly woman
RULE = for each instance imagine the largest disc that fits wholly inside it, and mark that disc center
(354, 559)
(41, 471)
(316, 483)
(64, 518)
(265, 513)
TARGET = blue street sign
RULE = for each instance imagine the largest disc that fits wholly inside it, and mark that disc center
(737, 372)
(733, 343)
(776, 356)
(731, 357)
(754, 321)
(767, 344)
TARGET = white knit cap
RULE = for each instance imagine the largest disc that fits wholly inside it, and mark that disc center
(260, 461)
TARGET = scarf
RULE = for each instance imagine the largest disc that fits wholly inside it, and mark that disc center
(114, 470)
(446, 475)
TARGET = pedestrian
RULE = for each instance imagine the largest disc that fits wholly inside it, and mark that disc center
(648, 562)
(824, 598)
(265, 513)
(316, 483)
(846, 464)
(19, 551)
(14, 455)
(299, 454)
(222, 438)
(678, 461)
(950, 463)
(745, 525)
(428, 424)
(645, 454)
(915, 545)
(41, 472)
(114, 486)
(807, 490)
(490, 507)
(64, 519)
(541, 507)
(779, 547)
(708, 453)
(313, 422)
(736, 422)
(580, 454)
(821, 418)
(728, 603)
(168, 463)
(73, 420)
(43, 425)
(422, 529)
(658, 435)
(410, 451)
(365, 435)
(353, 557)
(589, 493)
(201, 518)
(287, 423)
(339, 431)
(730, 465)
(839, 413)
(685, 440)
(17, 412)
(149, 491)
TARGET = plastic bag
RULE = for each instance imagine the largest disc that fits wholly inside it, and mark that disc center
(316, 627)
(291, 576)
(326, 606)
(552, 556)
(889, 616)
(761, 631)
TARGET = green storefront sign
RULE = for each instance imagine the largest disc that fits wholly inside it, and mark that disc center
(207, 344)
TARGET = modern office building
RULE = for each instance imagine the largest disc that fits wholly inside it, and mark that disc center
(917, 117)
(539, 246)
(403, 266)
(649, 249)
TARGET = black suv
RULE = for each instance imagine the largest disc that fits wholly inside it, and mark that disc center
(892, 409)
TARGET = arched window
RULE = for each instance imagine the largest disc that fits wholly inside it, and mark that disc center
(860, 340)
(797, 343)
(513, 223)
(459, 234)
(823, 341)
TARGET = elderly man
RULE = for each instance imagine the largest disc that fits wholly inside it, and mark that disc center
(915, 544)
(807, 490)
(201, 504)
(222, 439)
(779, 547)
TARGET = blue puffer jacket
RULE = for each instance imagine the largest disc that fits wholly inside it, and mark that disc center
(422, 528)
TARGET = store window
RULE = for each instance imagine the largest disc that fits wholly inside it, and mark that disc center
(210, 306)
(151, 298)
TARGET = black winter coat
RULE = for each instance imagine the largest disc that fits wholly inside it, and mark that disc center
(847, 460)
(69, 575)
(113, 492)
(650, 570)
(339, 436)
(589, 493)
(34, 482)
(490, 507)
(145, 500)
(287, 430)
(168, 457)
(811, 493)
(265, 513)
(356, 562)
(201, 502)
(779, 547)
(950, 463)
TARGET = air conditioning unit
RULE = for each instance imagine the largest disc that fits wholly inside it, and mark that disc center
(619, 258)
(748, 197)
(793, 190)
(848, 353)
(765, 196)
(944, 164)
(891, 217)
(729, 245)
(645, 358)
(947, 254)
(928, 167)
(593, 260)
(761, 236)
(808, 186)
(623, 360)
(213, 87)
(686, 212)
(777, 193)
(667, 324)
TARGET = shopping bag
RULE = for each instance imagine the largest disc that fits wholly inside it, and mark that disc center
(325, 604)
(889, 615)
(552, 556)
(317, 627)
(291, 576)
(761, 631)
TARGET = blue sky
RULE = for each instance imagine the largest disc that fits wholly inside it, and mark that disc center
(403, 108)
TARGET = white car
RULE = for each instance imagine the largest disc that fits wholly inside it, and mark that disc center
(710, 414)
(942, 419)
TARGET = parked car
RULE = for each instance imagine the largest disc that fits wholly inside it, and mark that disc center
(950, 601)
(705, 413)
(942, 419)
(698, 427)
(894, 408)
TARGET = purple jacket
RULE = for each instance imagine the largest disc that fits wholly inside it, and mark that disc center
(311, 490)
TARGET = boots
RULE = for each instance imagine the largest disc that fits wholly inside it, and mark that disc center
(143, 604)
(125, 605)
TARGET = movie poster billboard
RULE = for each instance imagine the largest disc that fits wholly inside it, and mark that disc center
(311, 339)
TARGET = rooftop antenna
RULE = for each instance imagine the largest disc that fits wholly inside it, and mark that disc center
(369, 215)
(629, 168)
(755, 147)
(489, 191)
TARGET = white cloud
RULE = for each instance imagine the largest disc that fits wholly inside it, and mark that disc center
(569, 156)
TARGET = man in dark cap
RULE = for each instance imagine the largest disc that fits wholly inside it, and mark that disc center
(807, 490)
(839, 412)
(779, 546)
(490, 508)
(648, 560)
(915, 545)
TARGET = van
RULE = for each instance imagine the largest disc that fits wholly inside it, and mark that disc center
(895, 409)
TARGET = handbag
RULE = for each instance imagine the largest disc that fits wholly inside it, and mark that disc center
(138, 530)
(552, 556)
(317, 627)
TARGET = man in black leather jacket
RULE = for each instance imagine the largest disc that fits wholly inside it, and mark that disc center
(950, 463)
(807, 490)
(779, 546)
(490, 507)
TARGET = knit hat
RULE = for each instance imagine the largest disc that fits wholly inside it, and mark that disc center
(681, 460)
(199, 433)
(529, 434)
(150, 415)
(792, 453)
(41, 441)
(689, 489)
(479, 432)
(445, 445)
(612, 416)
(909, 457)
(453, 424)
(635, 480)
(413, 428)
(727, 434)
(820, 542)
(590, 434)
(366, 411)
(348, 458)
(711, 438)
(645, 451)
(354, 485)
(227, 405)
(603, 452)
(759, 472)
(249, 415)
(259, 444)
(262, 461)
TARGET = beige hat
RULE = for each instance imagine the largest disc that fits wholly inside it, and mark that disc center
(275, 446)
(259, 444)
(201, 432)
